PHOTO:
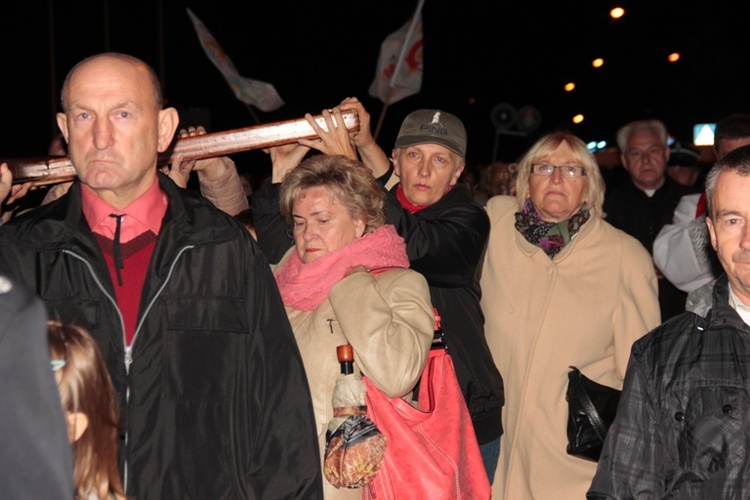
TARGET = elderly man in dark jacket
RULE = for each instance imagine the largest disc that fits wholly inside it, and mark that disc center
(646, 202)
(213, 396)
(683, 420)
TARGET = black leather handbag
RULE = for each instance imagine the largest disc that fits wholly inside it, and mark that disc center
(591, 410)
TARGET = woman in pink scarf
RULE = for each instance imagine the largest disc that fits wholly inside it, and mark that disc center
(335, 209)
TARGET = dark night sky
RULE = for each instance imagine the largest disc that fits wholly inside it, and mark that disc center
(477, 53)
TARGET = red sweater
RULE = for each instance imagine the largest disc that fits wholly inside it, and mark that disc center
(136, 256)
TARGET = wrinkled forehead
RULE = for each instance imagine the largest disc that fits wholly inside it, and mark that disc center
(644, 137)
(731, 192)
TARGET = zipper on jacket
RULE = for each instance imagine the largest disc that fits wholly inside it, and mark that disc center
(128, 356)
(153, 300)
(101, 287)
(128, 349)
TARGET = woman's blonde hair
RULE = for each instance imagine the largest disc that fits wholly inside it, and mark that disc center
(85, 387)
(350, 182)
(594, 197)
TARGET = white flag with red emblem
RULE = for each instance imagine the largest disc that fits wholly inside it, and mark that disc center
(262, 95)
(399, 73)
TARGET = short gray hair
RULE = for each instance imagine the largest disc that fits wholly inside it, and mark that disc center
(636, 126)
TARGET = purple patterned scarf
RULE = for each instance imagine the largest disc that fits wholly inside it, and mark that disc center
(549, 236)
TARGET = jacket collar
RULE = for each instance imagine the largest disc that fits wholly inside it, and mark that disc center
(722, 314)
(459, 192)
(711, 302)
(55, 226)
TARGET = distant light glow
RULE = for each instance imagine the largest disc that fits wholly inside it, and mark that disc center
(569, 86)
(472, 100)
(578, 118)
(674, 57)
(617, 12)
(598, 62)
(594, 146)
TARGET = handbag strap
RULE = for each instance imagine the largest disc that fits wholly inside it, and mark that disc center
(591, 412)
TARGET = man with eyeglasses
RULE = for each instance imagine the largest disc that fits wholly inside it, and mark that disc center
(645, 203)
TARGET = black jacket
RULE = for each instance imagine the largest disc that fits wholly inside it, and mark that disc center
(212, 392)
(35, 459)
(683, 422)
(631, 210)
(445, 243)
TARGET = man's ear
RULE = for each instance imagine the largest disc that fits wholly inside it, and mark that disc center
(168, 121)
(62, 124)
(712, 232)
(77, 424)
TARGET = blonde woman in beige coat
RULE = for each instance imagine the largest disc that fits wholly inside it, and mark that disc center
(335, 209)
(560, 287)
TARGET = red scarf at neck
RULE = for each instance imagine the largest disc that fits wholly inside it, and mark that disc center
(411, 207)
(306, 286)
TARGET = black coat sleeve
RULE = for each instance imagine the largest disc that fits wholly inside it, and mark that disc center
(284, 456)
(272, 231)
(445, 241)
(35, 457)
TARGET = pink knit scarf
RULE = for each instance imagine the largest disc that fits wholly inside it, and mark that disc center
(306, 286)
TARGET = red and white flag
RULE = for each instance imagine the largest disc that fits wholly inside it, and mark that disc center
(262, 95)
(400, 69)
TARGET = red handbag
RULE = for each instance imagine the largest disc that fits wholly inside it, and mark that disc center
(431, 451)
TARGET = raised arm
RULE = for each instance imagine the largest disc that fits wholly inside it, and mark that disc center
(273, 234)
(334, 139)
(10, 191)
(219, 181)
(6, 182)
(370, 153)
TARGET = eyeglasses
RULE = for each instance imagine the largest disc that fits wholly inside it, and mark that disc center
(569, 171)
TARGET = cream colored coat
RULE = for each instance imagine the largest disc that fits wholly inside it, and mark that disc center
(583, 308)
(389, 321)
